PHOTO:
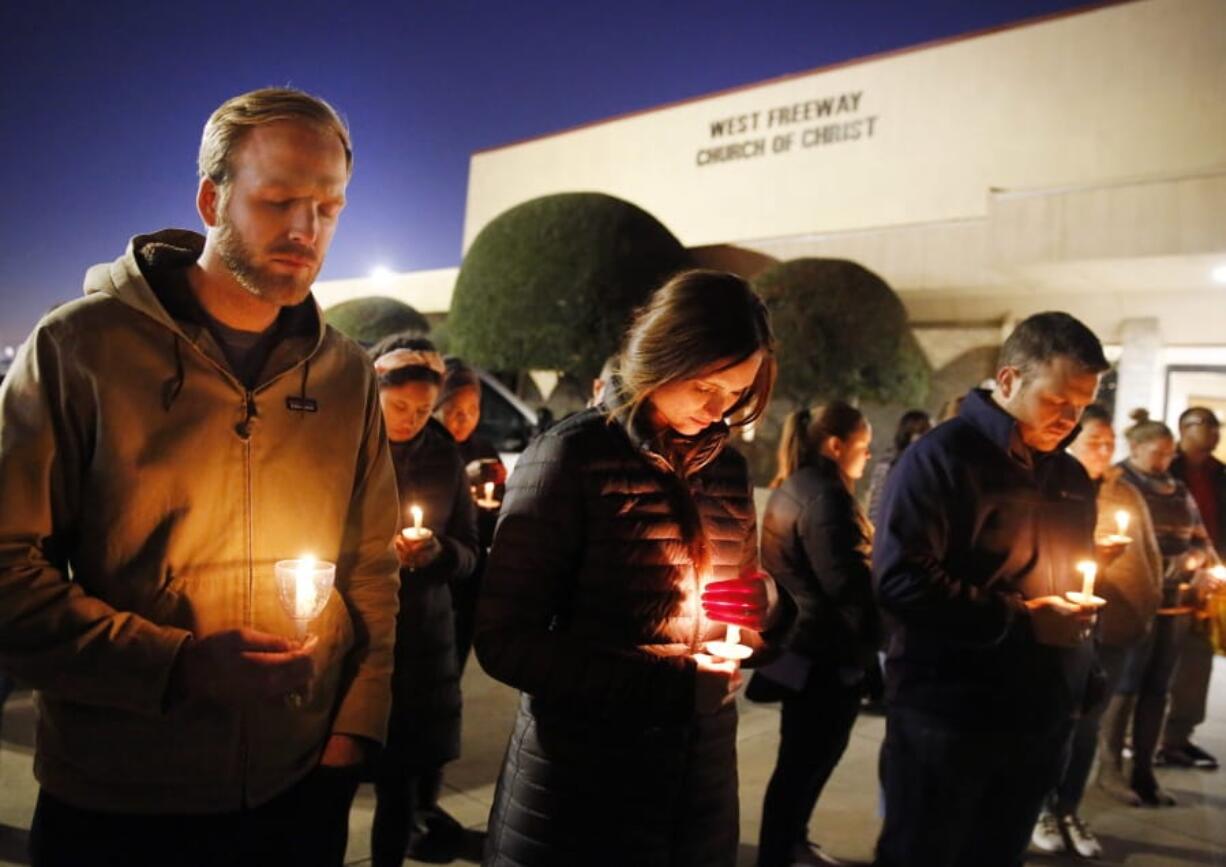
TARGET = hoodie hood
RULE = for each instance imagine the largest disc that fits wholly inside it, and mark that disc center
(127, 280)
(124, 279)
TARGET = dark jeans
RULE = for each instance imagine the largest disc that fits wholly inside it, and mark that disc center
(400, 796)
(814, 730)
(1148, 676)
(305, 825)
(956, 798)
(1190, 686)
(1068, 793)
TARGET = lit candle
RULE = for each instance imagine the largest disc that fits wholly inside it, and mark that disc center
(417, 532)
(304, 589)
(1121, 521)
(488, 501)
(1089, 571)
(303, 586)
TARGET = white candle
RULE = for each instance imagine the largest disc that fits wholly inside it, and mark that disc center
(417, 532)
(1121, 521)
(734, 634)
(304, 588)
(1088, 570)
(489, 491)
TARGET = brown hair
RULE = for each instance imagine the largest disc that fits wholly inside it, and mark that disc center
(1042, 337)
(1145, 429)
(805, 430)
(695, 321)
(236, 116)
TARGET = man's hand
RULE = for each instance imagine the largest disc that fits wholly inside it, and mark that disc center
(343, 751)
(241, 665)
(715, 683)
(417, 553)
(751, 601)
(1056, 621)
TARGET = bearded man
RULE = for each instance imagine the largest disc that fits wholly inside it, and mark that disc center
(164, 441)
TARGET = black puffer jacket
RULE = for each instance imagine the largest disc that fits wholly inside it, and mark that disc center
(591, 608)
(817, 542)
(424, 730)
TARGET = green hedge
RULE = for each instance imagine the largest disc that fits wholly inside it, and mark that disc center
(368, 320)
(842, 333)
(550, 284)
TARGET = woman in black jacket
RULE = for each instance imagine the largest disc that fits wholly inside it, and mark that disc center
(424, 728)
(459, 409)
(817, 542)
(627, 540)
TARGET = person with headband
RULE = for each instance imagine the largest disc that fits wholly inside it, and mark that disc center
(627, 542)
(424, 728)
(817, 543)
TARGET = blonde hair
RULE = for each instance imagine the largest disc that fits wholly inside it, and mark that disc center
(1145, 429)
(235, 117)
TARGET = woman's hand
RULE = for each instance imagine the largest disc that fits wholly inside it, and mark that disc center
(417, 553)
(715, 683)
(751, 601)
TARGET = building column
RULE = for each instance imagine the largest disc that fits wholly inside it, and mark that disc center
(1139, 371)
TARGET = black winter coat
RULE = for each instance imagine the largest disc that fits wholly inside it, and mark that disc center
(817, 543)
(591, 608)
(424, 730)
(970, 530)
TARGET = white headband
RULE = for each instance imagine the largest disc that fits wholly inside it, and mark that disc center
(399, 358)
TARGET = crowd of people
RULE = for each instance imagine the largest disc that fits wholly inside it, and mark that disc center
(191, 422)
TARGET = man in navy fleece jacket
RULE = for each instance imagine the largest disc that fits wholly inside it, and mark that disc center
(983, 522)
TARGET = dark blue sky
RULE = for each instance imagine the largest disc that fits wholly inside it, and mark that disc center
(103, 101)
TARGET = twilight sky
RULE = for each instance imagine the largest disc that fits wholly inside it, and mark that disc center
(103, 102)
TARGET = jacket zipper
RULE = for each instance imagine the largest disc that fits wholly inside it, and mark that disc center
(244, 432)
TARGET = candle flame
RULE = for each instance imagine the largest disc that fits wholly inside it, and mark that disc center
(304, 587)
(489, 490)
(1218, 572)
(415, 511)
(1089, 571)
(1121, 521)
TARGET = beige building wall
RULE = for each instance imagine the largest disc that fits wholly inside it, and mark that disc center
(1123, 92)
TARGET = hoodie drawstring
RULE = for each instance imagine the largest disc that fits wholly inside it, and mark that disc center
(174, 385)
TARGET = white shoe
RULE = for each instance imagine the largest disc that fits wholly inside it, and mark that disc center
(1047, 835)
(1084, 842)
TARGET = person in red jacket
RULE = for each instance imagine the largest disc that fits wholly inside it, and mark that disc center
(1199, 434)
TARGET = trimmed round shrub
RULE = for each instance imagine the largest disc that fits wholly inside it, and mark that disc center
(550, 284)
(369, 320)
(842, 333)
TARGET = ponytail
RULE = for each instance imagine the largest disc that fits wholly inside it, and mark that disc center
(805, 430)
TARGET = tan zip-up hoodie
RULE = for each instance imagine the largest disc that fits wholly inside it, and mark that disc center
(145, 495)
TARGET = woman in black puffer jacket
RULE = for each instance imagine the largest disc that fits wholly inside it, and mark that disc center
(817, 542)
(627, 532)
(424, 728)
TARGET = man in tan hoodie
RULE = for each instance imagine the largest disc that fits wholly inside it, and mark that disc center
(163, 442)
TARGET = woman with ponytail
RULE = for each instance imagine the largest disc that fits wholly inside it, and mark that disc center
(816, 542)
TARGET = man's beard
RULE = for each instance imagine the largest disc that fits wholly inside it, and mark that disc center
(284, 290)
